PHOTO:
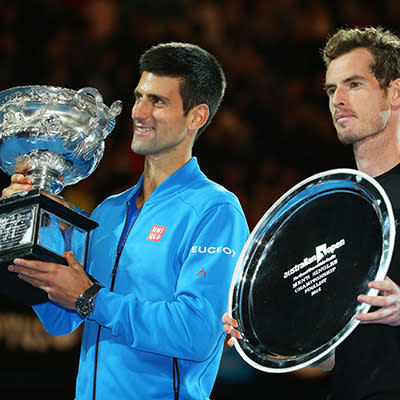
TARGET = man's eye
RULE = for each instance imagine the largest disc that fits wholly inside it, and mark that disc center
(355, 84)
(330, 92)
(158, 102)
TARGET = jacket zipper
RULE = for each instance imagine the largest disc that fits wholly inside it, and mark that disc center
(114, 275)
(176, 380)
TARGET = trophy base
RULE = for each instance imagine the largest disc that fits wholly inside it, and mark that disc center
(38, 225)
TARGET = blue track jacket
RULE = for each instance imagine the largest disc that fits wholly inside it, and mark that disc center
(164, 293)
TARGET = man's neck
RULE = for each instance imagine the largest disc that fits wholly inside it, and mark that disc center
(156, 171)
(377, 155)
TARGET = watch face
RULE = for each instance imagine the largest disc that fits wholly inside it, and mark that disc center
(84, 306)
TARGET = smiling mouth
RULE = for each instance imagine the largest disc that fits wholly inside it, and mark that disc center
(142, 130)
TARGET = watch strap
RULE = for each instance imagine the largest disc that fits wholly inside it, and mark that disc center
(92, 291)
(84, 303)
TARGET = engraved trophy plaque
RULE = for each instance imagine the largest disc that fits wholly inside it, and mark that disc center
(295, 286)
(55, 136)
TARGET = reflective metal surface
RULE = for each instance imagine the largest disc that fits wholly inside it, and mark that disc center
(56, 134)
(38, 225)
(294, 291)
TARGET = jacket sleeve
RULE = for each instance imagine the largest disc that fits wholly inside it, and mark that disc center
(189, 326)
(56, 319)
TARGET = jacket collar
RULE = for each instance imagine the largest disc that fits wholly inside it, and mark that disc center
(179, 180)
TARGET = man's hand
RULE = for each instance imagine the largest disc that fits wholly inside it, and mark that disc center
(19, 183)
(388, 301)
(229, 327)
(62, 283)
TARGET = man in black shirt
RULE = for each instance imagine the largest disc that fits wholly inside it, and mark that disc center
(363, 86)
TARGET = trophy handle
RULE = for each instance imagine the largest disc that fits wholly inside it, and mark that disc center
(105, 116)
(115, 109)
(97, 97)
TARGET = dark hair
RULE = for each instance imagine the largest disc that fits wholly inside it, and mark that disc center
(202, 78)
(383, 45)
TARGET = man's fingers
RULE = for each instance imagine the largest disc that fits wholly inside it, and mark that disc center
(19, 183)
(19, 178)
(69, 257)
(37, 282)
(35, 265)
(226, 319)
(377, 301)
(386, 285)
(231, 331)
(377, 317)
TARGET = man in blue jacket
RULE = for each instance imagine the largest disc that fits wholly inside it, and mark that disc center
(163, 254)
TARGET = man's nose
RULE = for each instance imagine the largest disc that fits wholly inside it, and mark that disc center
(141, 110)
(339, 97)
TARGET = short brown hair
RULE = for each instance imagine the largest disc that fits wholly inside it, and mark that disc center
(383, 45)
(201, 75)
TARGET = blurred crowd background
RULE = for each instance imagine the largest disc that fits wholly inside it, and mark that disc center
(272, 130)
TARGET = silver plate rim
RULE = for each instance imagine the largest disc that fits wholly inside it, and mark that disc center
(383, 268)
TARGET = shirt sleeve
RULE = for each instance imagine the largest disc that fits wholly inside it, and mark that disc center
(56, 319)
(190, 325)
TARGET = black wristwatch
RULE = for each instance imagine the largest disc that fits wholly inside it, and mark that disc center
(84, 304)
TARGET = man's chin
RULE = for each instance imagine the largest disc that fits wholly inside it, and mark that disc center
(346, 141)
(345, 138)
(141, 150)
(138, 147)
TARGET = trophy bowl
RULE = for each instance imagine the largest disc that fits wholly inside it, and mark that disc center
(54, 136)
(295, 287)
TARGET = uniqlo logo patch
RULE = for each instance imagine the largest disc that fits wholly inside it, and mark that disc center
(156, 233)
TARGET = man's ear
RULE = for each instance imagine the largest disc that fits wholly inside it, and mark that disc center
(395, 92)
(198, 116)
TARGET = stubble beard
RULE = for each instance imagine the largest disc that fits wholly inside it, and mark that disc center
(352, 137)
(346, 138)
(143, 149)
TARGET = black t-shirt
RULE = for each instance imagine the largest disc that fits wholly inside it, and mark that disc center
(368, 362)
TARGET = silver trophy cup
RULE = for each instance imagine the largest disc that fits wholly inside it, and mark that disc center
(56, 137)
